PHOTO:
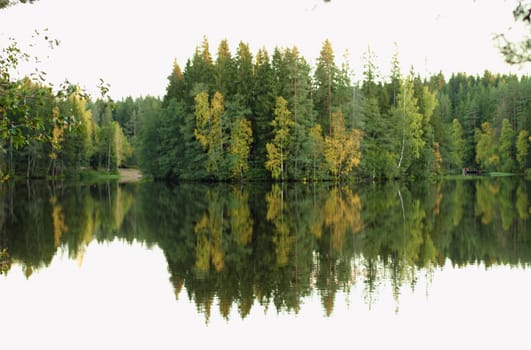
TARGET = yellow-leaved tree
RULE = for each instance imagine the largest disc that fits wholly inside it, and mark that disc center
(277, 150)
(240, 146)
(208, 130)
(342, 148)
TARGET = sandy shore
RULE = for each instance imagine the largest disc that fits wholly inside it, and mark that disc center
(130, 175)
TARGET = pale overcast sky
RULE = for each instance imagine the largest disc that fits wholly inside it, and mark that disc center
(132, 44)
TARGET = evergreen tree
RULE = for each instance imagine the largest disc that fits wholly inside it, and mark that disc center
(225, 70)
(301, 108)
(263, 106)
(244, 74)
(176, 85)
(199, 72)
(325, 81)
(522, 149)
(150, 148)
(506, 146)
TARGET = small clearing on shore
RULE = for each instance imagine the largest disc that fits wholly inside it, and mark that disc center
(129, 175)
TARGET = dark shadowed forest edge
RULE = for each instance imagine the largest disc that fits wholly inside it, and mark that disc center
(261, 117)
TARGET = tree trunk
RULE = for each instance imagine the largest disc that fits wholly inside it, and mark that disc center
(28, 166)
(10, 169)
(403, 133)
(109, 156)
(281, 164)
(330, 102)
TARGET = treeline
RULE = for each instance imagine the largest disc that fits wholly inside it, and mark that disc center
(262, 117)
(74, 134)
(53, 131)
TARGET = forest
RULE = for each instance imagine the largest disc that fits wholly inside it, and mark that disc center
(244, 116)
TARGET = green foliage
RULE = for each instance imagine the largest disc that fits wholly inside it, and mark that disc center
(45, 132)
(457, 151)
(7, 3)
(506, 147)
(315, 148)
(486, 152)
(219, 119)
(411, 122)
(517, 51)
(325, 80)
(209, 130)
(411, 128)
(240, 146)
(277, 153)
(522, 149)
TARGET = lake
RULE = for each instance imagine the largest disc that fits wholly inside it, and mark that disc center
(148, 265)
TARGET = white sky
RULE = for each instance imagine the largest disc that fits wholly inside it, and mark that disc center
(132, 44)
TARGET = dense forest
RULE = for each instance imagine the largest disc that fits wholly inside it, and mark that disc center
(261, 117)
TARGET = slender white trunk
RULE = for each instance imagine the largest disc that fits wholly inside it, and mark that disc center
(281, 164)
(109, 157)
(403, 131)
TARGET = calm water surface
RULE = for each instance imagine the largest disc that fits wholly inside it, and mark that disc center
(442, 265)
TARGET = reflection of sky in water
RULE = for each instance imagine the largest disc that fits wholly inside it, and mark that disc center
(121, 298)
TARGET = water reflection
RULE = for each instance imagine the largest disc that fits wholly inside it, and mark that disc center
(234, 246)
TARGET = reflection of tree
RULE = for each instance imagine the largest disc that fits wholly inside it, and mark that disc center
(209, 231)
(35, 226)
(342, 212)
(233, 246)
(486, 200)
(282, 237)
(59, 226)
(522, 203)
(241, 221)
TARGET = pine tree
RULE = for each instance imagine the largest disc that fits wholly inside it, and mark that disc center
(325, 81)
(244, 74)
(506, 146)
(301, 107)
(522, 149)
(263, 106)
(199, 72)
(176, 87)
(225, 70)
(151, 148)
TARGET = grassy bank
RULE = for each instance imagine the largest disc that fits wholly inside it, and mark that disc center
(475, 177)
